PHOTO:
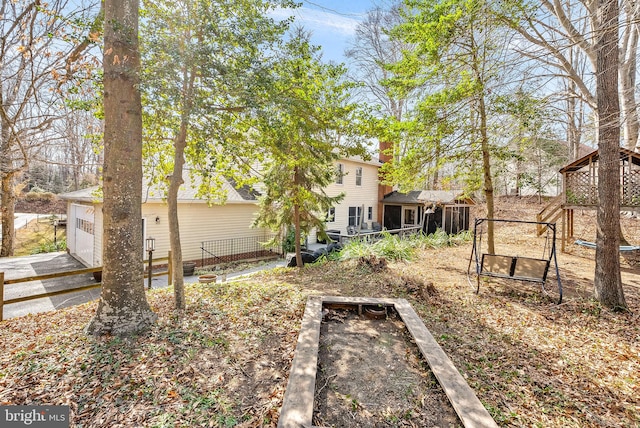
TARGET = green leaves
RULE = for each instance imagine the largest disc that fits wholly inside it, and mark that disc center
(306, 125)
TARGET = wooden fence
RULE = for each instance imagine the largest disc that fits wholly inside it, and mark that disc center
(4, 282)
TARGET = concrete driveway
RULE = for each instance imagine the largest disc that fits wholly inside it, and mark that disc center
(40, 264)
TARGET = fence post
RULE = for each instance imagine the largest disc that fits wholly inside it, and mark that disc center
(170, 270)
(1, 295)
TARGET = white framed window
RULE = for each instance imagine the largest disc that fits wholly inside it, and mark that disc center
(409, 216)
(359, 176)
(354, 216)
(339, 173)
(370, 214)
(331, 215)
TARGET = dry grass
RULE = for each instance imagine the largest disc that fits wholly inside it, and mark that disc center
(225, 361)
(37, 234)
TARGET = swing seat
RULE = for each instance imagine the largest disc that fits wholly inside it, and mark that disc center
(514, 267)
(529, 269)
(592, 245)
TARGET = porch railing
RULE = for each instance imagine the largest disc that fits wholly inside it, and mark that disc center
(238, 249)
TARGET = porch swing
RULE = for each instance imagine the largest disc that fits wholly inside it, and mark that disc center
(529, 269)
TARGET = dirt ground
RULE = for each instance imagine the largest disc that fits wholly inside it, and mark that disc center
(371, 374)
(225, 360)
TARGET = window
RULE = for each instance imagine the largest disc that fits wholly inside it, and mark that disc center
(354, 216)
(409, 216)
(331, 215)
(339, 173)
(370, 214)
(359, 176)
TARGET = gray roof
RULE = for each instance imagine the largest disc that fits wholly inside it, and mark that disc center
(442, 197)
(187, 193)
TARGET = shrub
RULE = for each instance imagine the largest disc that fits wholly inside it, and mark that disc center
(50, 247)
(37, 194)
(393, 247)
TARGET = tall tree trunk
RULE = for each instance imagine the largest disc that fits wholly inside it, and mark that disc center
(607, 281)
(486, 170)
(7, 190)
(8, 196)
(172, 202)
(296, 222)
(123, 307)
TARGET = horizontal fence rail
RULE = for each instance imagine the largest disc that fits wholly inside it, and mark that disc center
(378, 234)
(238, 249)
(4, 282)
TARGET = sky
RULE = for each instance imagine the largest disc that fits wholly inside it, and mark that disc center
(332, 23)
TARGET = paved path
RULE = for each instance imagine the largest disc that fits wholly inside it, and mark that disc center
(40, 264)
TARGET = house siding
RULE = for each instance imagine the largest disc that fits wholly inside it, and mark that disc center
(199, 223)
(356, 196)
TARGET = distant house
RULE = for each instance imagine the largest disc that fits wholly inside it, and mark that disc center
(433, 209)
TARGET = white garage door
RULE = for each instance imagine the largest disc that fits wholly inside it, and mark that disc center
(83, 233)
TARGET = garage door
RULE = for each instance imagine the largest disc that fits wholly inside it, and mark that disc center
(83, 233)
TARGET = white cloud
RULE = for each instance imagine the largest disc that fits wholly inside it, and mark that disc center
(318, 21)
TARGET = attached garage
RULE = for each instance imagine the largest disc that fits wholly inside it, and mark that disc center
(216, 231)
(81, 233)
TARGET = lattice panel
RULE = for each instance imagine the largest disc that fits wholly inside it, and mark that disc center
(631, 189)
(580, 189)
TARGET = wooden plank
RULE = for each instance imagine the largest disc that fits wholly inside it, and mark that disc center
(470, 410)
(297, 406)
(52, 293)
(65, 273)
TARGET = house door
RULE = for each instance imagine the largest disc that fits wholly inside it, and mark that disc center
(82, 231)
(392, 217)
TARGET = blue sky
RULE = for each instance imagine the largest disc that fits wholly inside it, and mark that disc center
(331, 22)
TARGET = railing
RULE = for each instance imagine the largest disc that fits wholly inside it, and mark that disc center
(237, 249)
(375, 235)
(549, 214)
(4, 282)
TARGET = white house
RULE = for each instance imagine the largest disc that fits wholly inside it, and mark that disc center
(218, 233)
(359, 210)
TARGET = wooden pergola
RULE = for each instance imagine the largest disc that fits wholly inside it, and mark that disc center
(580, 190)
(580, 186)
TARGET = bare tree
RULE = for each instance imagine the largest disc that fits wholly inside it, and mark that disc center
(608, 283)
(33, 52)
(560, 32)
(370, 53)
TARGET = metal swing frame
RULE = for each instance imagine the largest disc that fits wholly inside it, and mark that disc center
(514, 267)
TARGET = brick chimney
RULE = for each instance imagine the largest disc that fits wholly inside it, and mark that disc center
(385, 155)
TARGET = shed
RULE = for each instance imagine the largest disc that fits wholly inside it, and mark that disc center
(448, 210)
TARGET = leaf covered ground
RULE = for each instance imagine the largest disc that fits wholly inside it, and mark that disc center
(225, 360)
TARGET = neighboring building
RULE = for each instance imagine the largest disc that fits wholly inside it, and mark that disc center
(433, 209)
